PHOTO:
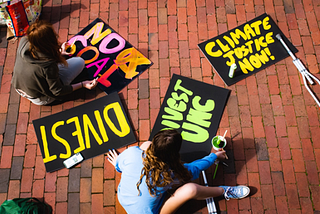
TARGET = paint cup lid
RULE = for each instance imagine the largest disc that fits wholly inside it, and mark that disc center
(218, 142)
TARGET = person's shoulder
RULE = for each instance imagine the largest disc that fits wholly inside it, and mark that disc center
(132, 149)
(129, 155)
(24, 39)
(23, 45)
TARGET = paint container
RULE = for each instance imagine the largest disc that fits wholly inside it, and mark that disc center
(71, 49)
(219, 142)
(232, 69)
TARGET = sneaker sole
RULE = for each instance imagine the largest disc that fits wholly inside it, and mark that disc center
(247, 188)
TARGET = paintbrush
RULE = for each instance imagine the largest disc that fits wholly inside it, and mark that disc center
(224, 139)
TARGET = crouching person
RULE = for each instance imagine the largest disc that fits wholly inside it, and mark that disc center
(41, 73)
(153, 168)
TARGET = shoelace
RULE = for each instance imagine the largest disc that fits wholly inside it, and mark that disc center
(230, 192)
(226, 194)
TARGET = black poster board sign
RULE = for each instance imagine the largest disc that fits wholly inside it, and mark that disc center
(108, 56)
(194, 109)
(91, 129)
(252, 46)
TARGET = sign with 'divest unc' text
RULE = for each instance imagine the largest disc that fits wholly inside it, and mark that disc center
(194, 109)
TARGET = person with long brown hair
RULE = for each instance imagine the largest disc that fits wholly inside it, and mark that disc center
(41, 73)
(150, 170)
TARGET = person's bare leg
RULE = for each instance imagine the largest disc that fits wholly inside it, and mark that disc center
(187, 192)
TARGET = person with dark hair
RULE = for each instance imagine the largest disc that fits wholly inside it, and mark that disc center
(153, 168)
(41, 73)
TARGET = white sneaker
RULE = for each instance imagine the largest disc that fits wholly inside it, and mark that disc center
(236, 192)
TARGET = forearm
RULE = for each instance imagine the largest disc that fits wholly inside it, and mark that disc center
(88, 84)
(199, 165)
(77, 86)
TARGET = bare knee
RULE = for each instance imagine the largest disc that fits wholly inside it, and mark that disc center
(191, 190)
(180, 196)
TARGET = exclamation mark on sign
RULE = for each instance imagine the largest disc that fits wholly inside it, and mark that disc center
(269, 53)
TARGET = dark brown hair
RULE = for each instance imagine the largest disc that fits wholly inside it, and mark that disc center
(43, 38)
(162, 164)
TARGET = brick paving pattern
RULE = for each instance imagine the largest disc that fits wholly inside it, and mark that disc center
(272, 121)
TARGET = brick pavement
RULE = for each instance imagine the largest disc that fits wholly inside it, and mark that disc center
(271, 118)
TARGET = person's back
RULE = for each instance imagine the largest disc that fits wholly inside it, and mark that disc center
(30, 74)
(130, 163)
(41, 73)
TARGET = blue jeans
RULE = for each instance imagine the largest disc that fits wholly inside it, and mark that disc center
(69, 73)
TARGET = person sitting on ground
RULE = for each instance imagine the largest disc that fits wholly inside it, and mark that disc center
(153, 168)
(41, 73)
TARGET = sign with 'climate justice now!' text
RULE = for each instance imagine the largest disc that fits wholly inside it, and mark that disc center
(91, 129)
(108, 56)
(194, 109)
(252, 47)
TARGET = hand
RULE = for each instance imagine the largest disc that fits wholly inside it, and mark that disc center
(221, 154)
(90, 84)
(64, 47)
(112, 157)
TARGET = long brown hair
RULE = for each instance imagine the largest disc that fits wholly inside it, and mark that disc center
(162, 164)
(43, 38)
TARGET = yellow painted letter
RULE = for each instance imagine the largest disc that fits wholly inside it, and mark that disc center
(101, 126)
(61, 140)
(124, 126)
(77, 133)
(96, 31)
(209, 51)
(47, 158)
(88, 125)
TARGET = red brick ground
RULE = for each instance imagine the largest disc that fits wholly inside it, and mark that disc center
(271, 118)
